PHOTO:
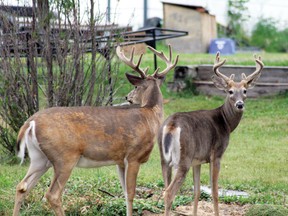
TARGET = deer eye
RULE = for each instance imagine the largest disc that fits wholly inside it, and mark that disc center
(136, 87)
(244, 91)
(231, 92)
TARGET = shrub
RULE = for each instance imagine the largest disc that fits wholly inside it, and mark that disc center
(267, 36)
(47, 65)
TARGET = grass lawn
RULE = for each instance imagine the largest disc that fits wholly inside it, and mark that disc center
(255, 161)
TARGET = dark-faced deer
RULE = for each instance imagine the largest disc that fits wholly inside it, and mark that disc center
(65, 137)
(189, 139)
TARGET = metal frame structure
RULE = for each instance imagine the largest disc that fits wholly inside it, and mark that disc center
(149, 36)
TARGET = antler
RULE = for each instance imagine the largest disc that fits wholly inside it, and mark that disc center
(217, 65)
(256, 73)
(130, 63)
(168, 62)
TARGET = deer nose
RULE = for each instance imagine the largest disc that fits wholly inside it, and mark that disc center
(239, 105)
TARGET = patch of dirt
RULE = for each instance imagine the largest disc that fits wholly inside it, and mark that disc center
(206, 209)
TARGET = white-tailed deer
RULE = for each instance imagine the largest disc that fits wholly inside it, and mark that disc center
(65, 137)
(189, 139)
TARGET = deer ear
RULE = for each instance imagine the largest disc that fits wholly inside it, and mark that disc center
(219, 83)
(160, 80)
(251, 83)
(134, 80)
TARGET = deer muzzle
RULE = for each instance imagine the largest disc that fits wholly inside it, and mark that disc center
(239, 105)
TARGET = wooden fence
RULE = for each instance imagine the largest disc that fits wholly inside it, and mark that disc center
(273, 80)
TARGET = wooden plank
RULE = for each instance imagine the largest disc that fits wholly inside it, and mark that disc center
(257, 91)
(273, 80)
(257, 83)
(269, 74)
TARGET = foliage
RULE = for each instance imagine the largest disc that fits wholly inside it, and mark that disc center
(181, 200)
(236, 17)
(267, 36)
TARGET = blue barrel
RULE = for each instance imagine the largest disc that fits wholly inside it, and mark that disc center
(225, 46)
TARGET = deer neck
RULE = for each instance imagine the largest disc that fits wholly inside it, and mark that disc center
(154, 101)
(231, 116)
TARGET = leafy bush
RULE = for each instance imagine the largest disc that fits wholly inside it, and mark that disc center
(267, 36)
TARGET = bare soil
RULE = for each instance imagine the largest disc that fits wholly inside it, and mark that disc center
(206, 209)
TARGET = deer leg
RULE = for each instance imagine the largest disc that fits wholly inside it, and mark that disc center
(121, 174)
(131, 169)
(62, 173)
(38, 166)
(214, 170)
(173, 188)
(166, 173)
(196, 181)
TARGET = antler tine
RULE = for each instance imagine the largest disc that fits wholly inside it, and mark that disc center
(169, 64)
(130, 63)
(217, 65)
(259, 67)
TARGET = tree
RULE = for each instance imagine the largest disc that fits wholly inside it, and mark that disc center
(48, 65)
(236, 17)
(267, 36)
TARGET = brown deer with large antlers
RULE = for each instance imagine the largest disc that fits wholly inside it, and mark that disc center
(189, 139)
(65, 137)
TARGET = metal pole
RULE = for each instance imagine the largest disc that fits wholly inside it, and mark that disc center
(108, 10)
(154, 46)
(145, 11)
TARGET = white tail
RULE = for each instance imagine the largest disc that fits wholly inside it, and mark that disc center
(190, 139)
(65, 137)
